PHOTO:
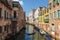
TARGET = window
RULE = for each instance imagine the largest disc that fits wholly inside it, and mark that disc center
(6, 29)
(46, 20)
(14, 14)
(55, 15)
(58, 13)
(15, 5)
(46, 17)
(0, 37)
(40, 19)
(37, 18)
(10, 16)
(52, 27)
(0, 29)
(0, 2)
(5, 14)
(58, 1)
(54, 2)
(51, 15)
(39, 13)
(5, 0)
(50, 5)
(0, 12)
(47, 10)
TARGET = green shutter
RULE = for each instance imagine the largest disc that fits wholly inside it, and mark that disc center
(54, 2)
(51, 15)
(58, 1)
(55, 15)
(58, 13)
(40, 19)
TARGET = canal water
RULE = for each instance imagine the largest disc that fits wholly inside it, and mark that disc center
(31, 34)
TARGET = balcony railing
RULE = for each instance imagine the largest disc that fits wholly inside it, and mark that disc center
(14, 19)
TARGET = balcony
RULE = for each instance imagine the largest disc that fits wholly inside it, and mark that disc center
(14, 19)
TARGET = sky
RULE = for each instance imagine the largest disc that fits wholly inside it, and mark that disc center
(28, 5)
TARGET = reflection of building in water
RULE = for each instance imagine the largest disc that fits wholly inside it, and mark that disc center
(31, 18)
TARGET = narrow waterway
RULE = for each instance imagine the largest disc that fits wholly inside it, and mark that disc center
(21, 36)
(31, 34)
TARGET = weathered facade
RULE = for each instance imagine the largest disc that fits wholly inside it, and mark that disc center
(5, 18)
(18, 18)
(54, 18)
(44, 18)
(36, 14)
(12, 18)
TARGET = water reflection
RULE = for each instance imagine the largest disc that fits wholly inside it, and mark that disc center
(29, 32)
(32, 34)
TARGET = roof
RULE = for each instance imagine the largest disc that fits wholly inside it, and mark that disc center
(15, 1)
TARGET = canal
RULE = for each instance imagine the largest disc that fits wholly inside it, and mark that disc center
(32, 33)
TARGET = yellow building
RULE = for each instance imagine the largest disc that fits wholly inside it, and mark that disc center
(44, 18)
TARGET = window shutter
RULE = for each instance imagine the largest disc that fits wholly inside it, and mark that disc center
(58, 1)
(58, 13)
(55, 15)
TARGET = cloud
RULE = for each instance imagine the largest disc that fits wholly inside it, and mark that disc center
(15, 0)
(21, 2)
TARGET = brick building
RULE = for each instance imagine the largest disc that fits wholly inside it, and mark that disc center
(18, 17)
(5, 15)
(12, 18)
(54, 18)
